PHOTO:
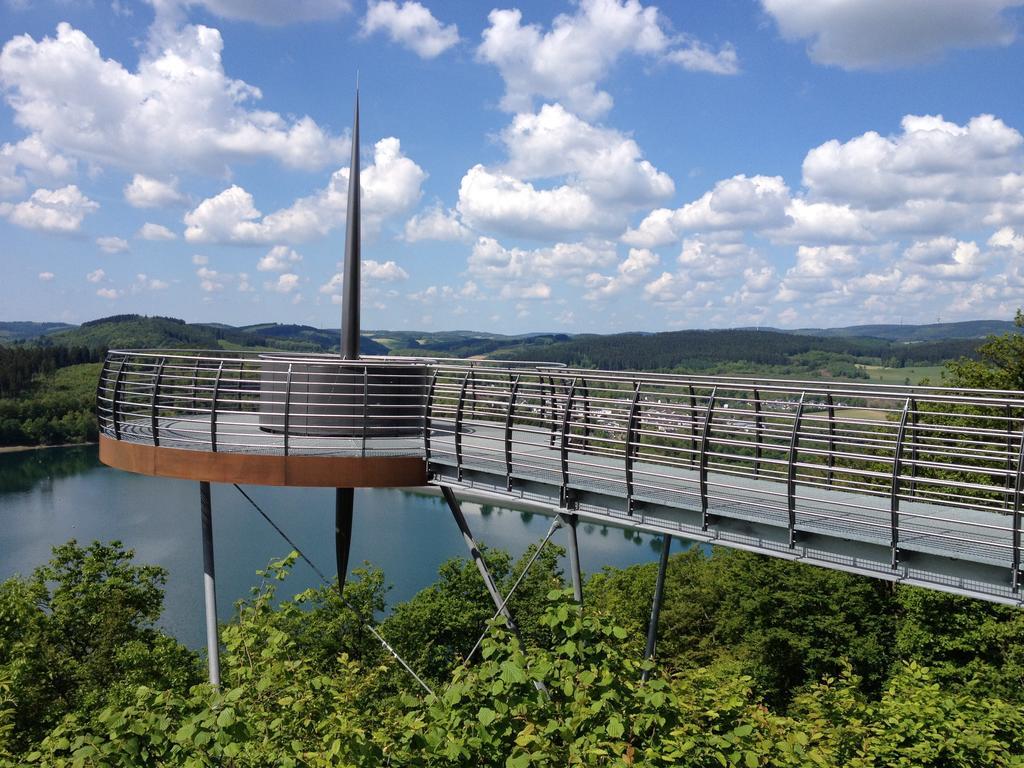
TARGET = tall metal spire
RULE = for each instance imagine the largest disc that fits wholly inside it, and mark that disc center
(350, 281)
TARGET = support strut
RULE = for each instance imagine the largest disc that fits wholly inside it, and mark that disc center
(659, 594)
(571, 521)
(209, 586)
(478, 558)
(344, 499)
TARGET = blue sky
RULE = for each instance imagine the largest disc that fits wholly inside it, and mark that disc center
(596, 166)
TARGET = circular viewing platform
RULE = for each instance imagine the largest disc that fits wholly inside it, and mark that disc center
(265, 418)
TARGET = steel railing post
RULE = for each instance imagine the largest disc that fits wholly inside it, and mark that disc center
(427, 417)
(213, 407)
(459, 409)
(830, 412)
(1018, 489)
(631, 424)
(894, 491)
(758, 431)
(564, 447)
(508, 432)
(794, 442)
(154, 400)
(366, 400)
(115, 406)
(705, 437)
(287, 406)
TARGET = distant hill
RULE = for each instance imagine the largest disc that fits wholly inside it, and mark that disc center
(970, 329)
(143, 332)
(728, 351)
(25, 331)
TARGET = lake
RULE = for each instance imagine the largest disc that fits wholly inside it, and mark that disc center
(51, 495)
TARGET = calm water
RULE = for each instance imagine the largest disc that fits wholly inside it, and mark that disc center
(50, 496)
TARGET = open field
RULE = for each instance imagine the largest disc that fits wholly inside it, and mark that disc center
(915, 375)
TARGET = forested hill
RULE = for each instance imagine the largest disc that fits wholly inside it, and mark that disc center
(969, 329)
(142, 332)
(741, 350)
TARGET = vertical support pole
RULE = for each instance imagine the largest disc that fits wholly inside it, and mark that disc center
(758, 430)
(353, 231)
(508, 432)
(478, 558)
(659, 594)
(586, 413)
(631, 424)
(344, 501)
(705, 439)
(366, 398)
(209, 586)
(1009, 456)
(794, 442)
(914, 447)
(571, 521)
(564, 447)
(894, 491)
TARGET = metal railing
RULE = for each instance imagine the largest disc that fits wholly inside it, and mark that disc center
(894, 463)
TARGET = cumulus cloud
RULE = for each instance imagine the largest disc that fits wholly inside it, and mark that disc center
(96, 276)
(387, 271)
(112, 244)
(29, 160)
(109, 293)
(881, 34)
(699, 57)
(46, 276)
(150, 231)
(435, 224)
(144, 282)
(51, 210)
(391, 185)
(412, 25)
(275, 12)
(278, 259)
(567, 62)
(210, 280)
(631, 271)
(498, 265)
(177, 109)
(285, 283)
(145, 192)
(742, 202)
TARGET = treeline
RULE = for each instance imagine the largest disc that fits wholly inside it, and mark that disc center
(56, 408)
(728, 350)
(761, 662)
(20, 364)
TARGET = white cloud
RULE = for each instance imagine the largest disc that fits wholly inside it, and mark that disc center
(698, 57)
(516, 291)
(568, 61)
(150, 231)
(144, 282)
(387, 271)
(51, 210)
(489, 200)
(278, 259)
(30, 161)
(178, 109)
(145, 192)
(109, 293)
(742, 202)
(199, 260)
(435, 224)
(1007, 238)
(46, 276)
(412, 25)
(276, 12)
(210, 280)
(390, 187)
(631, 271)
(882, 34)
(112, 244)
(96, 276)
(497, 265)
(285, 283)
(602, 162)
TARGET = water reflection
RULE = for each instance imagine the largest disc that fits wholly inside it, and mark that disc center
(50, 496)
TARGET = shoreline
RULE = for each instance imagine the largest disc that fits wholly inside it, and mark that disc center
(21, 448)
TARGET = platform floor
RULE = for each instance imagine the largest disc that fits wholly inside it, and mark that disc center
(965, 551)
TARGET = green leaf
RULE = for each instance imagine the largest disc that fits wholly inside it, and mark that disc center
(486, 716)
